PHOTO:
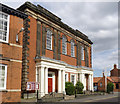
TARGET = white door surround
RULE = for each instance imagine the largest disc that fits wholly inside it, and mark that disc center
(44, 64)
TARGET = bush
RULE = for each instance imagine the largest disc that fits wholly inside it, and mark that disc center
(110, 87)
(69, 88)
(79, 87)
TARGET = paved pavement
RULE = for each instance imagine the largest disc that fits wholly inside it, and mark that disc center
(97, 98)
(113, 98)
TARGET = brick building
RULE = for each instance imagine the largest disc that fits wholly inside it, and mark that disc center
(11, 22)
(55, 53)
(99, 82)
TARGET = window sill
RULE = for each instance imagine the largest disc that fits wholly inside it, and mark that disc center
(82, 60)
(4, 42)
(69, 56)
(49, 49)
(3, 90)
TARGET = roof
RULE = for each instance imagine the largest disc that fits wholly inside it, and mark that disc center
(50, 16)
(12, 11)
(116, 79)
(96, 79)
(110, 79)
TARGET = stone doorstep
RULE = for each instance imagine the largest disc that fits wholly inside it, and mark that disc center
(55, 95)
(50, 99)
(67, 97)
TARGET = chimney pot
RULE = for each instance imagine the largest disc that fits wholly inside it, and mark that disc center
(115, 66)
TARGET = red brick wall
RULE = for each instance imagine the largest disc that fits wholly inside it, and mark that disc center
(11, 96)
(14, 68)
(103, 85)
(66, 58)
(114, 72)
(32, 49)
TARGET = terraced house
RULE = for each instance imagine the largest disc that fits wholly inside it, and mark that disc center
(54, 53)
(11, 22)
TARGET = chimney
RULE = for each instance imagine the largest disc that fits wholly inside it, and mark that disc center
(103, 73)
(115, 66)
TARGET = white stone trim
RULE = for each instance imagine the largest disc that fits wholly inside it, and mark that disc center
(13, 90)
(61, 66)
(59, 81)
(16, 60)
(42, 92)
(63, 81)
(46, 80)
(15, 45)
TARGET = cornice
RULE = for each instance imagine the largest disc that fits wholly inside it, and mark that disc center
(12, 11)
(50, 16)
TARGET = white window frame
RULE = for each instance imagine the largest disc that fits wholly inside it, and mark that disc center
(66, 74)
(65, 45)
(72, 49)
(8, 21)
(5, 80)
(82, 53)
(47, 44)
(74, 78)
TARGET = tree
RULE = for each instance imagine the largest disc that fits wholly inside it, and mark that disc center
(110, 87)
(69, 88)
(79, 87)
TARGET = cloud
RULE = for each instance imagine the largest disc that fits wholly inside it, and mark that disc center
(98, 20)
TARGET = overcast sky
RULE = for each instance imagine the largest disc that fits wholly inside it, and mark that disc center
(98, 20)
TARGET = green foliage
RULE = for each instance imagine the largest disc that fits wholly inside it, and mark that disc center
(69, 88)
(79, 87)
(110, 87)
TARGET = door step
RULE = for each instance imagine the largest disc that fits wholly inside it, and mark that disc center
(52, 97)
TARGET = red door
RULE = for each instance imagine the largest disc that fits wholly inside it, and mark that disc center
(49, 85)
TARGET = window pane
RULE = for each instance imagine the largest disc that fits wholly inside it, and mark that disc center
(2, 76)
(1, 82)
(64, 46)
(3, 26)
(0, 15)
(5, 16)
(5, 23)
(0, 35)
(49, 40)
(82, 53)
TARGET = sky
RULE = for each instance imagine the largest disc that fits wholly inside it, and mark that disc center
(98, 20)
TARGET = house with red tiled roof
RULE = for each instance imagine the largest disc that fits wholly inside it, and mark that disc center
(100, 83)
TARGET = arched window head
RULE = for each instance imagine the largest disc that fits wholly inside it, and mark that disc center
(72, 49)
(82, 53)
(64, 45)
(49, 40)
